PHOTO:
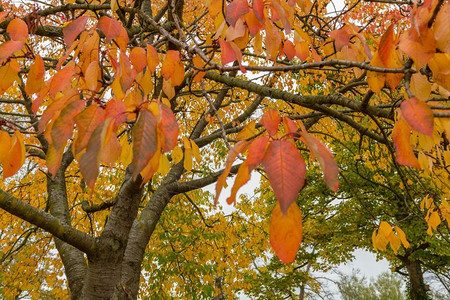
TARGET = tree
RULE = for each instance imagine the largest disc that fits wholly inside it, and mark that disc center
(106, 105)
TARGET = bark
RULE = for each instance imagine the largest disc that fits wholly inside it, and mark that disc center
(417, 288)
(105, 265)
(73, 259)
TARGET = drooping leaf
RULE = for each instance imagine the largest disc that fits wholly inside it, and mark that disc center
(286, 170)
(418, 115)
(400, 136)
(73, 29)
(256, 152)
(8, 75)
(111, 28)
(169, 127)
(232, 154)
(286, 232)
(15, 157)
(138, 58)
(62, 80)
(91, 75)
(401, 235)
(325, 158)
(5, 142)
(270, 120)
(8, 48)
(17, 30)
(87, 121)
(227, 53)
(35, 78)
(152, 58)
(187, 162)
(144, 141)
(235, 10)
(242, 177)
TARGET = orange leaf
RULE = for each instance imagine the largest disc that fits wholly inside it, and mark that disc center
(286, 170)
(169, 64)
(86, 122)
(152, 58)
(16, 156)
(253, 24)
(127, 74)
(61, 81)
(8, 74)
(242, 177)
(198, 63)
(387, 46)
(91, 75)
(73, 29)
(400, 136)
(289, 49)
(341, 37)
(270, 120)
(17, 30)
(258, 8)
(117, 110)
(256, 152)
(235, 10)
(138, 58)
(237, 148)
(5, 142)
(144, 141)
(325, 158)
(418, 115)
(111, 28)
(8, 48)
(227, 54)
(169, 127)
(35, 78)
(286, 232)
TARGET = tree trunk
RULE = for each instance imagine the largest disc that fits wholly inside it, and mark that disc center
(417, 288)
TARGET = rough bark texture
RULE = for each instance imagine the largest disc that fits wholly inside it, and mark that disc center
(417, 287)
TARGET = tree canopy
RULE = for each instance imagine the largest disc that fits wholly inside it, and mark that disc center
(115, 114)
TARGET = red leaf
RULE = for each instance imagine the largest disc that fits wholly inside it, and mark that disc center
(73, 29)
(256, 152)
(17, 30)
(8, 48)
(286, 170)
(237, 148)
(341, 37)
(138, 58)
(419, 115)
(386, 45)
(110, 27)
(227, 54)
(270, 120)
(289, 49)
(286, 232)
(169, 127)
(86, 122)
(235, 10)
(325, 158)
(144, 141)
(258, 8)
(35, 78)
(117, 110)
(400, 136)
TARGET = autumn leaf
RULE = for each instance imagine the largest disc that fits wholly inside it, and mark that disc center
(5, 141)
(8, 75)
(138, 58)
(62, 80)
(325, 158)
(169, 127)
(8, 48)
(400, 136)
(73, 29)
(91, 75)
(16, 156)
(286, 232)
(111, 28)
(232, 154)
(227, 53)
(17, 30)
(35, 79)
(242, 177)
(86, 122)
(144, 141)
(286, 170)
(235, 10)
(418, 115)
(256, 152)
(270, 120)
(152, 58)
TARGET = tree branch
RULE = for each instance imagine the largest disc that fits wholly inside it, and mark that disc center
(49, 223)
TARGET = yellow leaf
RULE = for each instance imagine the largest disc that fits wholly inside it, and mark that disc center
(187, 154)
(164, 165)
(385, 228)
(395, 242)
(196, 151)
(177, 154)
(434, 220)
(374, 239)
(401, 235)
(248, 131)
